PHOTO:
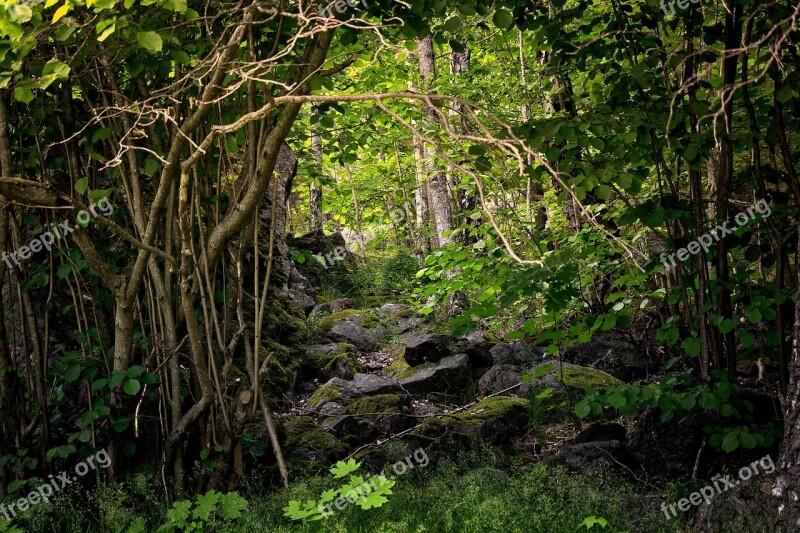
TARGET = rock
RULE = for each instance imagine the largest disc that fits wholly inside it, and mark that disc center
(426, 348)
(332, 259)
(594, 457)
(559, 376)
(614, 353)
(516, 353)
(496, 420)
(327, 361)
(303, 434)
(501, 377)
(451, 374)
(331, 409)
(359, 328)
(390, 310)
(396, 406)
(334, 306)
(478, 350)
(667, 449)
(352, 430)
(361, 385)
(568, 383)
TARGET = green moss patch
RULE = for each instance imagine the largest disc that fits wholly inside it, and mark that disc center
(399, 369)
(303, 433)
(324, 394)
(586, 378)
(369, 320)
(341, 362)
(381, 403)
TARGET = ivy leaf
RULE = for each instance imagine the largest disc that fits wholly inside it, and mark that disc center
(150, 41)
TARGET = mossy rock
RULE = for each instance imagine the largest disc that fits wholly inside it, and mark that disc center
(400, 369)
(579, 378)
(494, 420)
(381, 403)
(568, 382)
(325, 362)
(369, 319)
(324, 394)
(303, 434)
(285, 336)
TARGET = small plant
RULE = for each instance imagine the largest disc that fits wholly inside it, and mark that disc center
(591, 521)
(209, 512)
(367, 495)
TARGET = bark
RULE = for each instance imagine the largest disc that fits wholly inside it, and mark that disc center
(437, 177)
(315, 192)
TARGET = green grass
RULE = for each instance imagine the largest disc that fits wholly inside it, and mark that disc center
(469, 495)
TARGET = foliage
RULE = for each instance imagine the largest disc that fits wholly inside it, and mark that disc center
(370, 494)
(208, 512)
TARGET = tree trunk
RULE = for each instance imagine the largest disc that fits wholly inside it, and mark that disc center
(315, 192)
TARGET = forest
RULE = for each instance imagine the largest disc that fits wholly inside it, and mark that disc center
(399, 266)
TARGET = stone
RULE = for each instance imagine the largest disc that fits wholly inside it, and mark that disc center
(359, 328)
(331, 409)
(500, 378)
(516, 353)
(426, 348)
(330, 360)
(478, 350)
(451, 374)
(615, 353)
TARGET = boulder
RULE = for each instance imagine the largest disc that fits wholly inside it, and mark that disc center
(361, 385)
(478, 350)
(393, 409)
(451, 374)
(426, 348)
(496, 420)
(500, 378)
(327, 361)
(303, 436)
(334, 306)
(615, 353)
(594, 457)
(359, 328)
(516, 353)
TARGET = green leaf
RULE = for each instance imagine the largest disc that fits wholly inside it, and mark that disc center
(150, 41)
(582, 409)
(132, 387)
(730, 442)
(342, 469)
(617, 400)
(64, 270)
(23, 94)
(502, 19)
(81, 185)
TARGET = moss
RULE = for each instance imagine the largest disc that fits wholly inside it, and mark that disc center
(324, 394)
(326, 366)
(586, 378)
(399, 369)
(369, 319)
(496, 407)
(381, 403)
(302, 433)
